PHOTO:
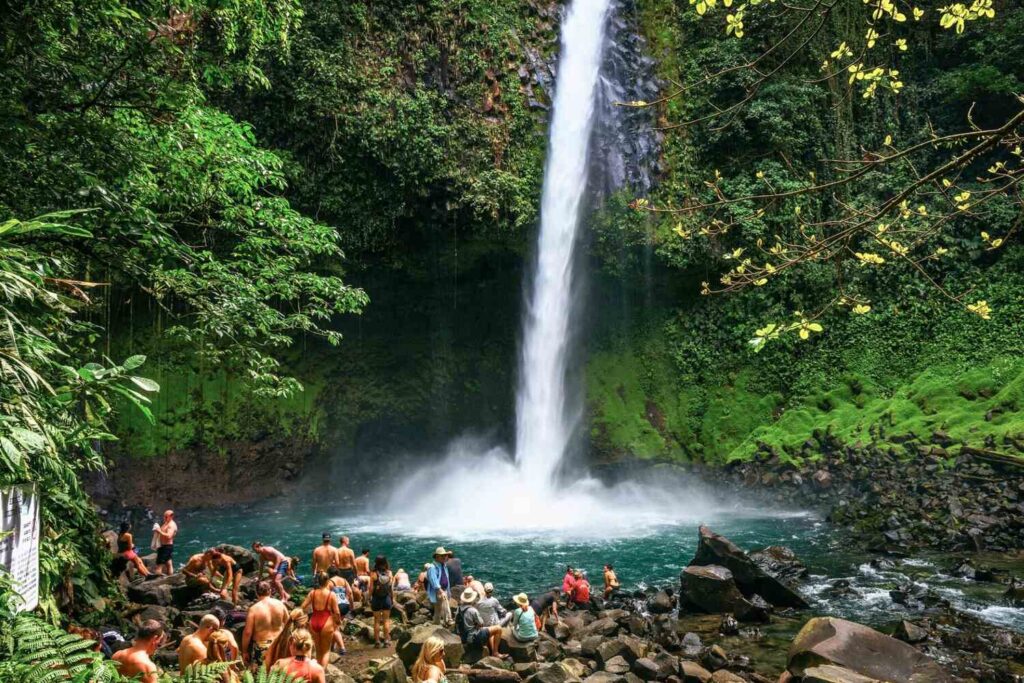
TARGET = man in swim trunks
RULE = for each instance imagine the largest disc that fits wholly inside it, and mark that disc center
(263, 623)
(195, 571)
(346, 560)
(325, 556)
(193, 646)
(137, 659)
(276, 561)
(363, 570)
(223, 564)
(165, 550)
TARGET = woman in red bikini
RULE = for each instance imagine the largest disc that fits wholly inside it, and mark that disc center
(325, 616)
(126, 549)
(300, 665)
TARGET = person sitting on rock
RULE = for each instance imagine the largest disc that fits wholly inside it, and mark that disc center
(524, 620)
(429, 666)
(402, 582)
(470, 582)
(545, 606)
(136, 661)
(567, 581)
(611, 581)
(471, 626)
(193, 647)
(491, 609)
(222, 564)
(301, 665)
(126, 549)
(273, 559)
(263, 623)
(580, 595)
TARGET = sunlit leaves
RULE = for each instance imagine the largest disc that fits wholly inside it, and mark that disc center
(981, 309)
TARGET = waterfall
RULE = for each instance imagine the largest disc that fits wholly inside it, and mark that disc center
(546, 420)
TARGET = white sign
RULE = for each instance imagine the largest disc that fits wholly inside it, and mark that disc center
(19, 542)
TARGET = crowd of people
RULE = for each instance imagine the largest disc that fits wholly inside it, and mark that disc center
(301, 640)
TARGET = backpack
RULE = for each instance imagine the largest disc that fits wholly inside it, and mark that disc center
(382, 585)
(460, 624)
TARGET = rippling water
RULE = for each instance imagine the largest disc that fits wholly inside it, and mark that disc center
(653, 555)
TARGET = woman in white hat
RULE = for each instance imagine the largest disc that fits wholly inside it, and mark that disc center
(471, 626)
(524, 620)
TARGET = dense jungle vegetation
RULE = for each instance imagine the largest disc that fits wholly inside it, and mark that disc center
(196, 200)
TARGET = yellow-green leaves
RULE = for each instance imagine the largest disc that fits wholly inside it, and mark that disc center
(993, 243)
(956, 15)
(901, 44)
(734, 22)
(963, 200)
(842, 51)
(981, 309)
(860, 309)
(868, 257)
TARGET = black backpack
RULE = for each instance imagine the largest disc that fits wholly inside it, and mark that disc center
(382, 585)
(460, 624)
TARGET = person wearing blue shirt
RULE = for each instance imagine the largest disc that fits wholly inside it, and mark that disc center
(439, 587)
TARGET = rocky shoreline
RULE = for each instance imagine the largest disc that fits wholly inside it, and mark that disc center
(733, 617)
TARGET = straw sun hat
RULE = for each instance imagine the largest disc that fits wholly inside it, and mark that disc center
(469, 597)
(522, 600)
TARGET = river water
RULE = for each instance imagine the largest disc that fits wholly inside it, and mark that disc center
(651, 556)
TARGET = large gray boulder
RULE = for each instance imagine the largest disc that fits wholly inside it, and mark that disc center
(863, 650)
(411, 642)
(692, 672)
(712, 589)
(244, 557)
(835, 674)
(713, 549)
(390, 670)
(554, 673)
(165, 591)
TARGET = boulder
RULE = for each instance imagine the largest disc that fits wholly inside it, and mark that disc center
(609, 649)
(333, 674)
(617, 665)
(660, 603)
(605, 626)
(692, 672)
(410, 643)
(575, 667)
(493, 663)
(909, 632)
(589, 646)
(828, 673)
(168, 616)
(604, 677)
(548, 649)
(780, 562)
(713, 549)
(711, 589)
(863, 650)
(390, 670)
(166, 590)
(656, 667)
(723, 676)
(691, 645)
(521, 653)
(553, 673)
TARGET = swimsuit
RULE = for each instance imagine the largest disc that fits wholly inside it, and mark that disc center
(342, 597)
(282, 568)
(306, 674)
(164, 553)
(319, 618)
(257, 653)
(125, 550)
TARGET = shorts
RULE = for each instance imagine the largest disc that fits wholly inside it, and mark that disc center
(348, 573)
(478, 637)
(282, 568)
(380, 604)
(164, 553)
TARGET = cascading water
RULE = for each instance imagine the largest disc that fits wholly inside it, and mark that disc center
(545, 417)
(479, 489)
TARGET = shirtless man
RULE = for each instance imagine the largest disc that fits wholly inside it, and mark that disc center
(471, 582)
(263, 623)
(325, 556)
(221, 564)
(136, 660)
(274, 560)
(195, 571)
(346, 561)
(611, 581)
(193, 646)
(165, 551)
(363, 569)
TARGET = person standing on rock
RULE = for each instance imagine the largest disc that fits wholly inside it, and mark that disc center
(438, 587)
(274, 560)
(381, 600)
(611, 581)
(346, 560)
(490, 608)
(136, 661)
(524, 620)
(324, 618)
(263, 623)
(343, 594)
(222, 564)
(471, 626)
(429, 666)
(300, 665)
(325, 556)
(165, 550)
(454, 565)
(363, 570)
(193, 647)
